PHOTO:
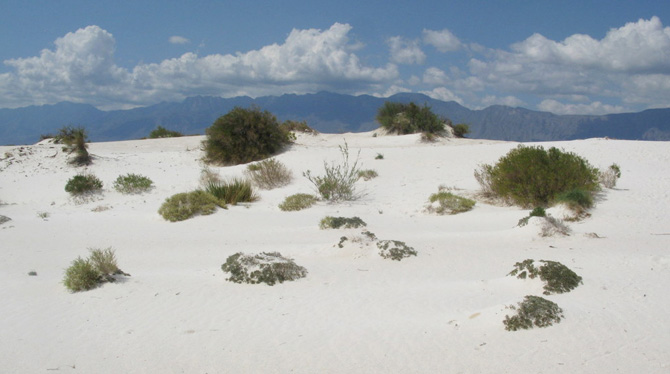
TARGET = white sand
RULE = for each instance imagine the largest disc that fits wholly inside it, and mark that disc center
(439, 312)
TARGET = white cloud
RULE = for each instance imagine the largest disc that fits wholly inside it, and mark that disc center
(595, 107)
(175, 39)
(435, 77)
(405, 51)
(505, 100)
(443, 41)
(444, 94)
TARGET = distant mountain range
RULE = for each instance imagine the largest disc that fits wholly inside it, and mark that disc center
(328, 113)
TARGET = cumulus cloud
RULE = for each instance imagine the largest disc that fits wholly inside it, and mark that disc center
(175, 39)
(505, 100)
(443, 40)
(405, 51)
(435, 77)
(444, 94)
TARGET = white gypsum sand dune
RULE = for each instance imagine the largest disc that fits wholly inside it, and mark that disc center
(438, 312)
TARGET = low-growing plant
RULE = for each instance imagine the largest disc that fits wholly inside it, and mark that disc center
(460, 130)
(74, 140)
(297, 126)
(445, 202)
(537, 212)
(395, 250)
(162, 132)
(32, 273)
(339, 182)
(269, 174)
(132, 183)
(104, 261)
(43, 215)
(232, 191)
(367, 174)
(330, 222)
(83, 184)
(577, 200)
(268, 268)
(297, 202)
(533, 311)
(379, 156)
(185, 205)
(552, 226)
(81, 276)
(609, 177)
(558, 278)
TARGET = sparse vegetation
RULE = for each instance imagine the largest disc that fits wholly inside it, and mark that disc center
(185, 205)
(410, 118)
(533, 311)
(610, 176)
(552, 226)
(162, 132)
(460, 130)
(537, 212)
(86, 274)
(368, 174)
(297, 126)
(339, 182)
(558, 278)
(395, 250)
(74, 140)
(577, 200)
(268, 268)
(297, 202)
(330, 222)
(244, 135)
(132, 183)
(82, 184)
(533, 176)
(445, 202)
(379, 156)
(269, 174)
(233, 191)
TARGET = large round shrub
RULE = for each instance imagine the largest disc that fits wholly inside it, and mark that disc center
(409, 118)
(531, 176)
(244, 135)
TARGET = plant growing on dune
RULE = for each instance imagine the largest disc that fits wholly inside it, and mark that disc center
(162, 132)
(132, 183)
(74, 140)
(339, 182)
(232, 191)
(297, 202)
(268, 268)
(558, 278)
(183, 206)
(269, 174)
(400, 118)
(82, 184)
(533, 311)
(445, 202)
(86, 274)
(367, 174)
(610, 176)
(330, 222)
(395, 250)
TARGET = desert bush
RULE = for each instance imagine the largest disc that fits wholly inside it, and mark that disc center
(552, 226)
(460, 130)
(232, 191)
(83, 184)
(577, 200)
(244, 135)
(409, 118)
(185, 205)
(162, 132)
(537, 212)
(330, 222)
(297, 126)
(368, 174)
(298, 201)
(81, 276)
(610, 176)
(104, 260)
(558, 278)
(74, 140)
(445, 202)
(132, 183)
(268, 268)
(269, 174)
(394, 249)
(533, 176)
(379, 156)
(339, 182)
(533, 311)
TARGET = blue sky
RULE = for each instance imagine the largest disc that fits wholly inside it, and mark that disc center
(567, 57)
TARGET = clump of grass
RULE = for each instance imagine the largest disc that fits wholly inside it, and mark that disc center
(330, 222)
(609, 177)
(395, 250)
(445, 202)
(297, 202)
(558, 278)
(268, 268)
(43, 215)
(86, 274)
(339, 182)
(132, 183)
(269, 174)
(74, 140)
(233, 191)
(82, 184)
(533, 311)
(185, 205)
(368, 174)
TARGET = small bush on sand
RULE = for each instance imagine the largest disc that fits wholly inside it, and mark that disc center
(537, 212)
(533, 176)
(162, 132)
(379, 156)
(297, 126)
(297, 202)
(341, 223)
(368, 174)
(268, 268)
(533, 311)
(269, 174)
(610, 176)
(552, 226)
(82, 184)
(74, 140)
(558, 278)
(81, 276)
(409, 118)
(132, 183)
(460, 130)
(232, 191)
(445, 202)
(339, 182)
(185, 205)
(577, 200)
(104, 260)
(395, 250)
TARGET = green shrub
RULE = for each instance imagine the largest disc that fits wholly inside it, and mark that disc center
(244, 135)
(268, 268)
(298, 201)
(379, 156)
(132, 183)
(74, 139)
(533, 176)
(232, 191)
(460, 130)
(394, 249)
(162, 132)
(82, 184)
(297, 126)
(533, 311)
(579, 201)
(269, 174)
(537, 212)
(558, 278)
(104, 260)
(367, 174)
(81, 276)
(609, 177)
(341, 222)
(339, 182)
(409, 118)
(448, 203)
(185, 205)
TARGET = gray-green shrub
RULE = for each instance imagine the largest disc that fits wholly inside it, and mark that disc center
(268, 268)
(533, 311)
(297, 202)
(558, 278)
(81, 276)
(330, 222)
(367, 174)
(339, 182)
(395, 250)
(82, 184)
(185, 205)
(609, 177)
(132, 183)
(269, 174)
(400, 118)
(448, 203)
